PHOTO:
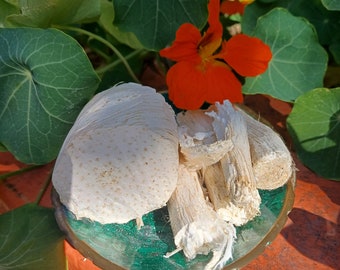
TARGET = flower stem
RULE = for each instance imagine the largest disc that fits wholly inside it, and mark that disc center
(43, 189)
(105, 42)
(101, 70)
(17, 172)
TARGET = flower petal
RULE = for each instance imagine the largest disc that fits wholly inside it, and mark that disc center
(190, 86)
(231, 7)
(183, 91)
(221, 84)
(185, 45)
(249, 56)
(215, 25)
(247, 2)
(213, 36)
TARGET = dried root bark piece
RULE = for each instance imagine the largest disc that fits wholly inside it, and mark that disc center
(197, 139)
(195, 225)
(237, 200)
(120, 159)
(271, 159)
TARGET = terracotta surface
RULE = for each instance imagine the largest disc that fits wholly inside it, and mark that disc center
(309, 240)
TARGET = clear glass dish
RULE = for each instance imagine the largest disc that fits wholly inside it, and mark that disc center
(122, 246)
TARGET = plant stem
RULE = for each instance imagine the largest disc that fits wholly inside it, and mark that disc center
(17, 172)
(43, 189)
(101, 70)
(105, 42)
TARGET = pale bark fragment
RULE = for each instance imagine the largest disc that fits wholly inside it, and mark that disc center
(197, 140)
(237, 200)
(196, 226)
(120, 159)
(271, 159)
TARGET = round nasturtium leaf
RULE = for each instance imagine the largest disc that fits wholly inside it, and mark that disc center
(44, 14)
(155, 22)
(334, 48)
(105, 21)
(7, 8)
(314, 125)
(45, 80)
(298, 63)
(30, 239)
(331, 4)
(325, 21)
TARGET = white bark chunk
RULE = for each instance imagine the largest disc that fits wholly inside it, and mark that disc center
(197, 140)
(271, 159)
(120, 159)
(196, 226)
(237, 199)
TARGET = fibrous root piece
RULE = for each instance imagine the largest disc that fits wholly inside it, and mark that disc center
(272, 162)
(198, 143)
(236, 199)
(196, 226)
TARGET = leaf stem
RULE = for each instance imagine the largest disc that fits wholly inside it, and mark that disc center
(101, 70)
(43, 188)
(105, 42)
(17, 172)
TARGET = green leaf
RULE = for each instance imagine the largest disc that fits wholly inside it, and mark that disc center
(30, 239)
(299, 62)
(106, 19)
(334, 48)
(155, 22)
(37, 13)
(314, 125)
(118, 73)
(326, 22)
(45, 80)
(6, 8)
(331, 4)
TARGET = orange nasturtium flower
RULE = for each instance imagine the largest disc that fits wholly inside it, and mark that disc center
(203, 69)
(234, 6)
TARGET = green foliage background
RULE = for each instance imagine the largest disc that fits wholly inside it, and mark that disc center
(56, 54)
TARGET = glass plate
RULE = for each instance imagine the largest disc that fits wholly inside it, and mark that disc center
(122, 246)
